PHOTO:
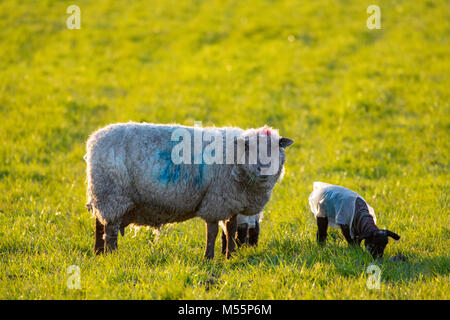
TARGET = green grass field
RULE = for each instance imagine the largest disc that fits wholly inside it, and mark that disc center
(368, 109)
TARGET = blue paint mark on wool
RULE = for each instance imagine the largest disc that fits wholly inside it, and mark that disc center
(171, 172)
(199, 178)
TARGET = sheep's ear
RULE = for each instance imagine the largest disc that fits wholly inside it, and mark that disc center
(393, 235)
(285, 142)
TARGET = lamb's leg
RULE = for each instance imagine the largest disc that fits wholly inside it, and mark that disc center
(211, 233)
(242, 234)
(231, 231)
(346, 232)
(111, 230)
(253, 235)
(99, 247)
(322, 226)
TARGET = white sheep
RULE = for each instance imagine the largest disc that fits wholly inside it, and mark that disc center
(133, 179)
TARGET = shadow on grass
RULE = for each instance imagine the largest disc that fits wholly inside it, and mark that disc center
(293, 253)
(348, 262)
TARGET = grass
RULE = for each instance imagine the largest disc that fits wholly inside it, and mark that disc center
(368, 109)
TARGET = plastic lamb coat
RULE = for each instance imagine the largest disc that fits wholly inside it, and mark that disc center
(336, 203)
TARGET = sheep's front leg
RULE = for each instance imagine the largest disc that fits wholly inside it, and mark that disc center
(99, 247)
(211, 233)
(111, 230)
(231, 232)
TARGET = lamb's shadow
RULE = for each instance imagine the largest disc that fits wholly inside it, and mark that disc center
(414, 269)
(347, 261)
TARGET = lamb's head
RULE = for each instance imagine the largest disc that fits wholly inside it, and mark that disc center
(377, 240)
(261, 155)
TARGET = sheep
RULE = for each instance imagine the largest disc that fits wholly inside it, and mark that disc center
(134, 176)
(247, 230)
(343, 208)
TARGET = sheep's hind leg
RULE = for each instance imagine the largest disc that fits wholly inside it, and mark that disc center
(212, 228)
(111, 230)
(99, 247)
(224, 242)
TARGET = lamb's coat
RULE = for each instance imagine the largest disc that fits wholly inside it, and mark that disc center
(251, 221)
(336, 203)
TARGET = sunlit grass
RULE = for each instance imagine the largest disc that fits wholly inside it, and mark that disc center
(368, 109)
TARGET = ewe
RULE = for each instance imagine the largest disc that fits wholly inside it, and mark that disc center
(134, 176)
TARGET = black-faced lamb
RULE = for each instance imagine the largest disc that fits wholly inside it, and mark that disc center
(247, 232)
(343, 208)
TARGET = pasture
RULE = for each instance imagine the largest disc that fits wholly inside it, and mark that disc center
(367, 109)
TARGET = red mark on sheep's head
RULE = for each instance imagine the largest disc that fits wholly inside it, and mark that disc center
(266, 131)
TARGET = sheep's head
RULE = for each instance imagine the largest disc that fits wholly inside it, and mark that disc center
(377, 240)
(261, 154)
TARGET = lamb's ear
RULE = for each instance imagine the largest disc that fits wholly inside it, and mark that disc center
(393, 235)
(285, 142)
(366, 235)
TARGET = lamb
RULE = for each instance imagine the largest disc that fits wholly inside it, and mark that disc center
(342, 208)
(133, 178)
(247, 231)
